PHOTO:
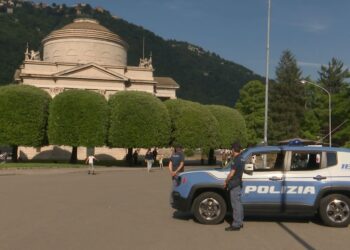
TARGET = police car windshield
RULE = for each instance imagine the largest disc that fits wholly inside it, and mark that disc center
(243, 153)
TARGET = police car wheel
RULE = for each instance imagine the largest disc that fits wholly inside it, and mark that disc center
(335, 210)
(209, 208)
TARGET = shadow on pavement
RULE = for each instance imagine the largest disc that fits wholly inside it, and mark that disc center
(279, 219)
(296, 236)
(182, 215)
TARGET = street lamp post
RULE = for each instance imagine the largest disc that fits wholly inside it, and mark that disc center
(267, 72)
(329, 108)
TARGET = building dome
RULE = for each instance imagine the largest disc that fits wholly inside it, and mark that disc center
(85, 41)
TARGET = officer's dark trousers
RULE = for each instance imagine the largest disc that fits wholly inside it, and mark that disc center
(237, 208)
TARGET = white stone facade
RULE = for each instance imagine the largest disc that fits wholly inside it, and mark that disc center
(81, 52)
(107, 80)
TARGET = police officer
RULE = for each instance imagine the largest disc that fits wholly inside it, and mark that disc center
(177, 161)
(233, 183)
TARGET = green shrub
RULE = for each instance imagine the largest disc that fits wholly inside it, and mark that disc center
(232, 126)
(23, 115)
(78, 118)
(138, 120)
(193, 126)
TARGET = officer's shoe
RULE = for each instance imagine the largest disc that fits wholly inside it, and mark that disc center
(231, 228)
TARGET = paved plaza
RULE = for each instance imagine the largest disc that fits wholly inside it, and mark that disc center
(129, 209)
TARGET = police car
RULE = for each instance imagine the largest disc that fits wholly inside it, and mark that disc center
(277, 180)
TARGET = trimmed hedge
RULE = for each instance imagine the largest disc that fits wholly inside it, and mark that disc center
(23, 115)
(78, 118)
(138, 119)
(193, 126)
(232, 127)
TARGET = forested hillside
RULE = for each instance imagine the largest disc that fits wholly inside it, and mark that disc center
(203, 76)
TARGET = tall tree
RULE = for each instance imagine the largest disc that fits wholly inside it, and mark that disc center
(23, 116)
(333, 76)
(78, 118)
(313, 113)
(287, 100)
(310, 126)
(341, 118)
(138, 119)
(287, 71)
(251, 104)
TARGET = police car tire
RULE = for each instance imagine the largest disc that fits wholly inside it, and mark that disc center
(220, 203)
(323, 210)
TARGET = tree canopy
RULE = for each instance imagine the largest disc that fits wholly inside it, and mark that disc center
(78, 118)
(23, 116)
(192, 125)
(286, 100)
(287, 70)
(332, 77)
(232, 127)
(138, 119)
(251, 104)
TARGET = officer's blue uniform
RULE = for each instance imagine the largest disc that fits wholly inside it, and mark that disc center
(235, 187)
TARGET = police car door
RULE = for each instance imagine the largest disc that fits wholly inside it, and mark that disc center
(306, 175)
(262, 190)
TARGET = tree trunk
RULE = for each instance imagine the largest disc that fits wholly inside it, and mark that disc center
(211, 157)
(14, 153)
(129, 159)
(74, 155)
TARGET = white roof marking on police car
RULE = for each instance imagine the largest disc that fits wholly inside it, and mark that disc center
(214, 173)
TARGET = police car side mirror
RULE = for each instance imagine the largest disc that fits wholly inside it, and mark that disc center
(249, 168)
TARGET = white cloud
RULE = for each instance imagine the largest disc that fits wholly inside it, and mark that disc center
(309, 64)
(172, 6)
(313, 26)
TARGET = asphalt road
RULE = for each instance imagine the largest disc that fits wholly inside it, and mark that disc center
(129, 209)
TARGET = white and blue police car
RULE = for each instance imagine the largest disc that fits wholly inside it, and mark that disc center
(277, 180)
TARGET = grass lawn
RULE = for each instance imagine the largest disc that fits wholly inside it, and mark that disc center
(29, 165)
(80, 164)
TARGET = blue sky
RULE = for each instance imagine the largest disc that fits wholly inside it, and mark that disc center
(314, 30)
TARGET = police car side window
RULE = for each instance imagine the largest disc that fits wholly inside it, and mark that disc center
(331, 159)
(274, 162)
(305, 161)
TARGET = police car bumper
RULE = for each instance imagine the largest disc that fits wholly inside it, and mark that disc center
(178, 202)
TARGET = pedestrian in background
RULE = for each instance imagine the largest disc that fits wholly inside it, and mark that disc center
(90, 160)
(149, 159)
(177, 161)
(135, 156)
(233, 184)
(160, 160)
(155, 153)
(223, 158)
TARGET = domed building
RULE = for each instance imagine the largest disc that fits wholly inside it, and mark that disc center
(86, 55)
(85, 41)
